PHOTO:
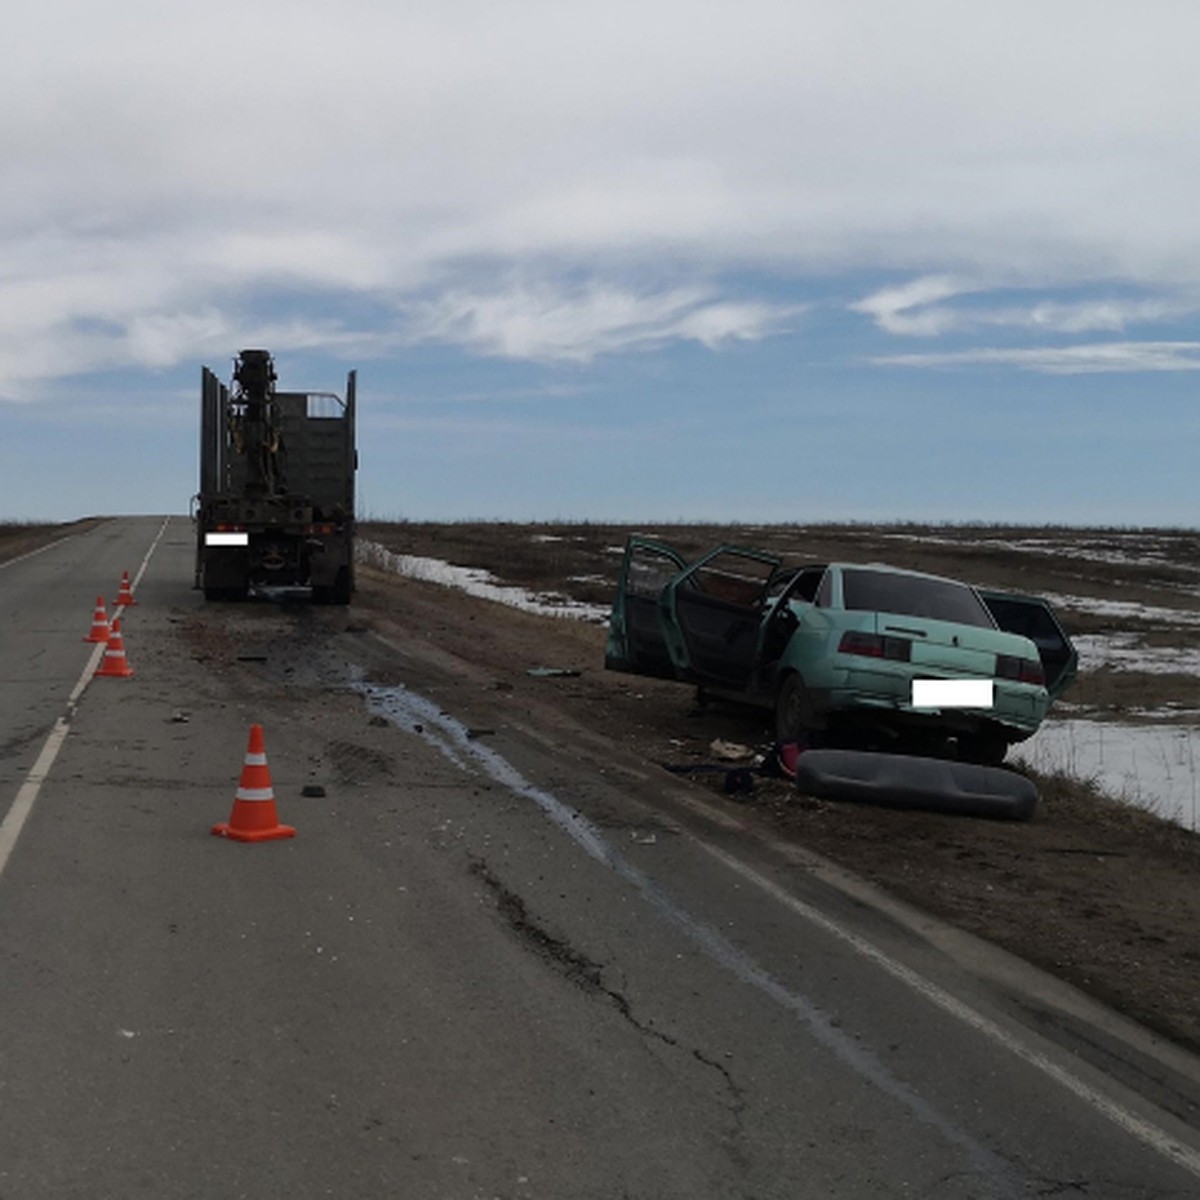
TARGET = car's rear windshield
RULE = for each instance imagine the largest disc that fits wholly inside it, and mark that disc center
(913, 596)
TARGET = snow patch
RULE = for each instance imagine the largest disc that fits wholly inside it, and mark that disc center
(1125, 609)
(477, 582)
(1151, 766)
(1121, 652)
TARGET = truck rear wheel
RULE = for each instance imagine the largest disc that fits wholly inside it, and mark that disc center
(337, 592)
(341, 587)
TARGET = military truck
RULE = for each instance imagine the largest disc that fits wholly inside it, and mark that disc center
(276, 502)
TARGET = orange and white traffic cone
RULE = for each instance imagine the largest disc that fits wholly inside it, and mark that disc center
(125, 595)
(99, 631)
(254, 818)
(115, 664)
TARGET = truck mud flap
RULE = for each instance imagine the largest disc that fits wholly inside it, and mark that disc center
(901, 781)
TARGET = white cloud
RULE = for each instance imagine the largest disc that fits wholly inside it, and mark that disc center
(915, 309)
(912, 308)
(1066, 360)
(173, 162)
(553, 323)
(1095, 316)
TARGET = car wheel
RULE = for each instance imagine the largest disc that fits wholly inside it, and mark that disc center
(793, 710)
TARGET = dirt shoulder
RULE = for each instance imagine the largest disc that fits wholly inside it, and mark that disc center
(21, 537)
(1104, 896)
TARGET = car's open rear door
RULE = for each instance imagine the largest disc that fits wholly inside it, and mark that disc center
(1034, 618)
(713, 615)
(635, 635)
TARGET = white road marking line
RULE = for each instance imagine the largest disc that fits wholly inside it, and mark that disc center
(27, 793)
(18, 814)
(86, 678)
(1157, 1139)
(153, 546)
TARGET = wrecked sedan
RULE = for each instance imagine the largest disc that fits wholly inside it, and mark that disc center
(835, 649)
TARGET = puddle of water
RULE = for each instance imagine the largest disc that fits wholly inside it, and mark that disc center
(410, 710)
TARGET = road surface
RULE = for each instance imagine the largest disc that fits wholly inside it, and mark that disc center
(495, 961)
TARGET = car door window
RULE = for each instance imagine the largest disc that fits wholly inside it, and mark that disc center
(1033, 619)
(825, 591)
(648, 569)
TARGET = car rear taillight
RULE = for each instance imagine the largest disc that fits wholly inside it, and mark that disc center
(1022, 670)
(326, 528)
(875, 645)
(224, 527)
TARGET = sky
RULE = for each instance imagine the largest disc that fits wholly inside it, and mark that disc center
(666, 260)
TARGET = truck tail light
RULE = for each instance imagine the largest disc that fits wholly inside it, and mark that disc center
(225, 527)
(319, 529)
(875, 645)
(1021, 670)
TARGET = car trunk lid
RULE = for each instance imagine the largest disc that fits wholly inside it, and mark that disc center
(949, 648)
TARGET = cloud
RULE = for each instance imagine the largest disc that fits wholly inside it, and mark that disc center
(914, 309)
(1066, 360)
(173, 172)
(549, 323)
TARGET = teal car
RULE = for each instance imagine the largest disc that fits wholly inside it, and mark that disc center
(844, 653)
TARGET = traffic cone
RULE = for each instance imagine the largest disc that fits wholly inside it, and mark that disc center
(99, 631)
(125, 595)
(254, 818)
(115, 663)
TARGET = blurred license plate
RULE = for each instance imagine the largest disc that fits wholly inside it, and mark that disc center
(952, 693)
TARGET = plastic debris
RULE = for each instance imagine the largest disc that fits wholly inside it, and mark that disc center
(729, 751)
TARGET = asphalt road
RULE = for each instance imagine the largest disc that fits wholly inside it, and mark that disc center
(490, 964)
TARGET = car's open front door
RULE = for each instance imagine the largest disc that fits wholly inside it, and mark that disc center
(1034, 618)
(635, 634)
(713, 615)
